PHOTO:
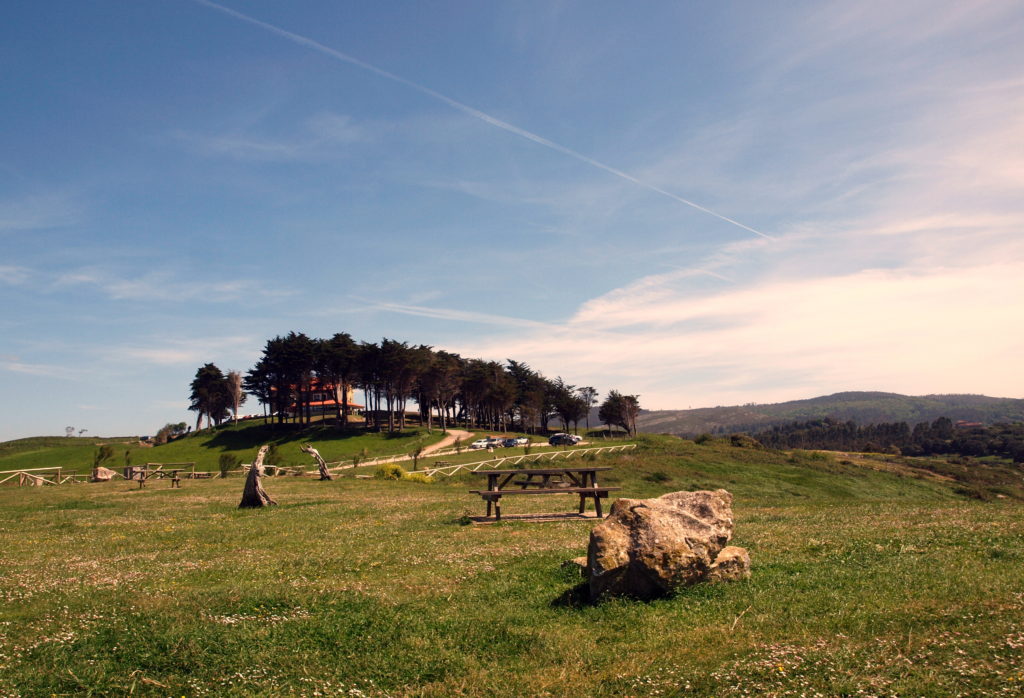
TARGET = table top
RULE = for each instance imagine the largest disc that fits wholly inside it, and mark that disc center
(544, 471)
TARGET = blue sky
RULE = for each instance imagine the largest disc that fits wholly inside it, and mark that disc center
(180, 181)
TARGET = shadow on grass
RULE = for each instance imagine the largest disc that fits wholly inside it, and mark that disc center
(575, 597)
(257, 435)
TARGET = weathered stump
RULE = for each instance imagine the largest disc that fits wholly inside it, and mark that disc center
(321, 464)
(254, 495)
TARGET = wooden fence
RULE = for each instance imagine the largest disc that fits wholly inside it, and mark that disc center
(39, 477)
(495, 463)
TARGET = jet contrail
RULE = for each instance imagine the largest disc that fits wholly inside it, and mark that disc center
(466, 109)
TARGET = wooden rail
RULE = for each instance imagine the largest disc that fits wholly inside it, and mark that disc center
(494, 463)
(27, 477)
(346, 465)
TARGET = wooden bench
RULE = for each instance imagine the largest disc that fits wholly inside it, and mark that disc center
(581, 481)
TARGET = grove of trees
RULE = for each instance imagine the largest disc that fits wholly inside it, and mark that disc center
(938, 437)
(446, 388)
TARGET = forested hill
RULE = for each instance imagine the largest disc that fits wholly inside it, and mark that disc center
(861, 407)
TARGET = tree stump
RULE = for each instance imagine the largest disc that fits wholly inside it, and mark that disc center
(320, 463)
(254, 495)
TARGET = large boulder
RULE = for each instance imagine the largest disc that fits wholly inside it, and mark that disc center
(650, 547)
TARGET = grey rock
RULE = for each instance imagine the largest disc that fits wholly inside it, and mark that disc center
(650, 547)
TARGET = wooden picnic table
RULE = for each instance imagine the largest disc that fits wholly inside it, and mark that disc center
(580, 480)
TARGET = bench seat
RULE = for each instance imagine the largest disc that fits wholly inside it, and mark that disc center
(598, 491)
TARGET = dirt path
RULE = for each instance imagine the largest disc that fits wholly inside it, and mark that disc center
(447, 441)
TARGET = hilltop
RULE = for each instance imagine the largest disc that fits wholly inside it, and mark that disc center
(205, 447)
(861, 407)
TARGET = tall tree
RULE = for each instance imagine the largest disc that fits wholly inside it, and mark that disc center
(210, 395)
(234, 379)
(336, 365)
(620, 410)
(589, 396)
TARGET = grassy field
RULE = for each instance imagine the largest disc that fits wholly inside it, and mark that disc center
(868, 579)
(205, 447)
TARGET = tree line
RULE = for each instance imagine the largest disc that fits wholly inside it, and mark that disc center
(295, 369)
(938, 437)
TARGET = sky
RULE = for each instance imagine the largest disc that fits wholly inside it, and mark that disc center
(699, 203)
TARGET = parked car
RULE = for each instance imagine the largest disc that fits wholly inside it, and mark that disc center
(521, 441)
(489, 442)
(564, 440)
(509, 443)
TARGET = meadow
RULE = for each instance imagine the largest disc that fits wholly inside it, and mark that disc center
(204, 448)
(868, 579)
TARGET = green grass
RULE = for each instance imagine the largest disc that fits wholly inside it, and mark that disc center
(862, 579)
(205, 447)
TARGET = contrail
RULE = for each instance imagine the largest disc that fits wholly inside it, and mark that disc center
(466, 109)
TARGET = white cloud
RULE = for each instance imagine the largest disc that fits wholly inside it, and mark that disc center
(189, 351)
(13, 275)
(916, 331)
(321, 136)
(38, 212)
(166, 286)
(36, 369)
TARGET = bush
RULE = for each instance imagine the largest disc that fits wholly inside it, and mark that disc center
(389, 471)
(392, 471)
(744, 441)
(105, 453)
(227, 463)
(273, 456)
(703, 438)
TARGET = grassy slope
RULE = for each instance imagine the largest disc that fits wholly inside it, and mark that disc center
(862, 407)
(862, 579)
(205, 447)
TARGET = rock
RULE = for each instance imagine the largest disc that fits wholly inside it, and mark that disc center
(577, 563)
(650, 547)
(732, 564)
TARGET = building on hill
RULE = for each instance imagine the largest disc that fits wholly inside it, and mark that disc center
(321, 399)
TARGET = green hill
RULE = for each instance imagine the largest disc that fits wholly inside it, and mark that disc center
(204, 448)
(861, 407)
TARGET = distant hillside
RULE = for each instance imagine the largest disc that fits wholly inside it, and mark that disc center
(861, 407)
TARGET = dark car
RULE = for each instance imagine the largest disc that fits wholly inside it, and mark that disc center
(508, 443)
(564, 440)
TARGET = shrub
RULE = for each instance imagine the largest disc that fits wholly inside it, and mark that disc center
(273, 457)
(744, 441)
(389, 471)
(393, 471)
(227, 463)
(105, 453)
(703, 438)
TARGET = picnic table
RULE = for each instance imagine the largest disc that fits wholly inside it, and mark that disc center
(580, 480)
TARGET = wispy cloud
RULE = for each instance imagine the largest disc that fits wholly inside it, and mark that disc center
(476, 113)
(452, 314)
(165, 286)
(318, 137)
(915, 331)
(15, 276)
(38, 369)
(39, 212)
(186, 351)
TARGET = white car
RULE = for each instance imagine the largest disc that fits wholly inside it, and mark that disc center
(481, 443)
